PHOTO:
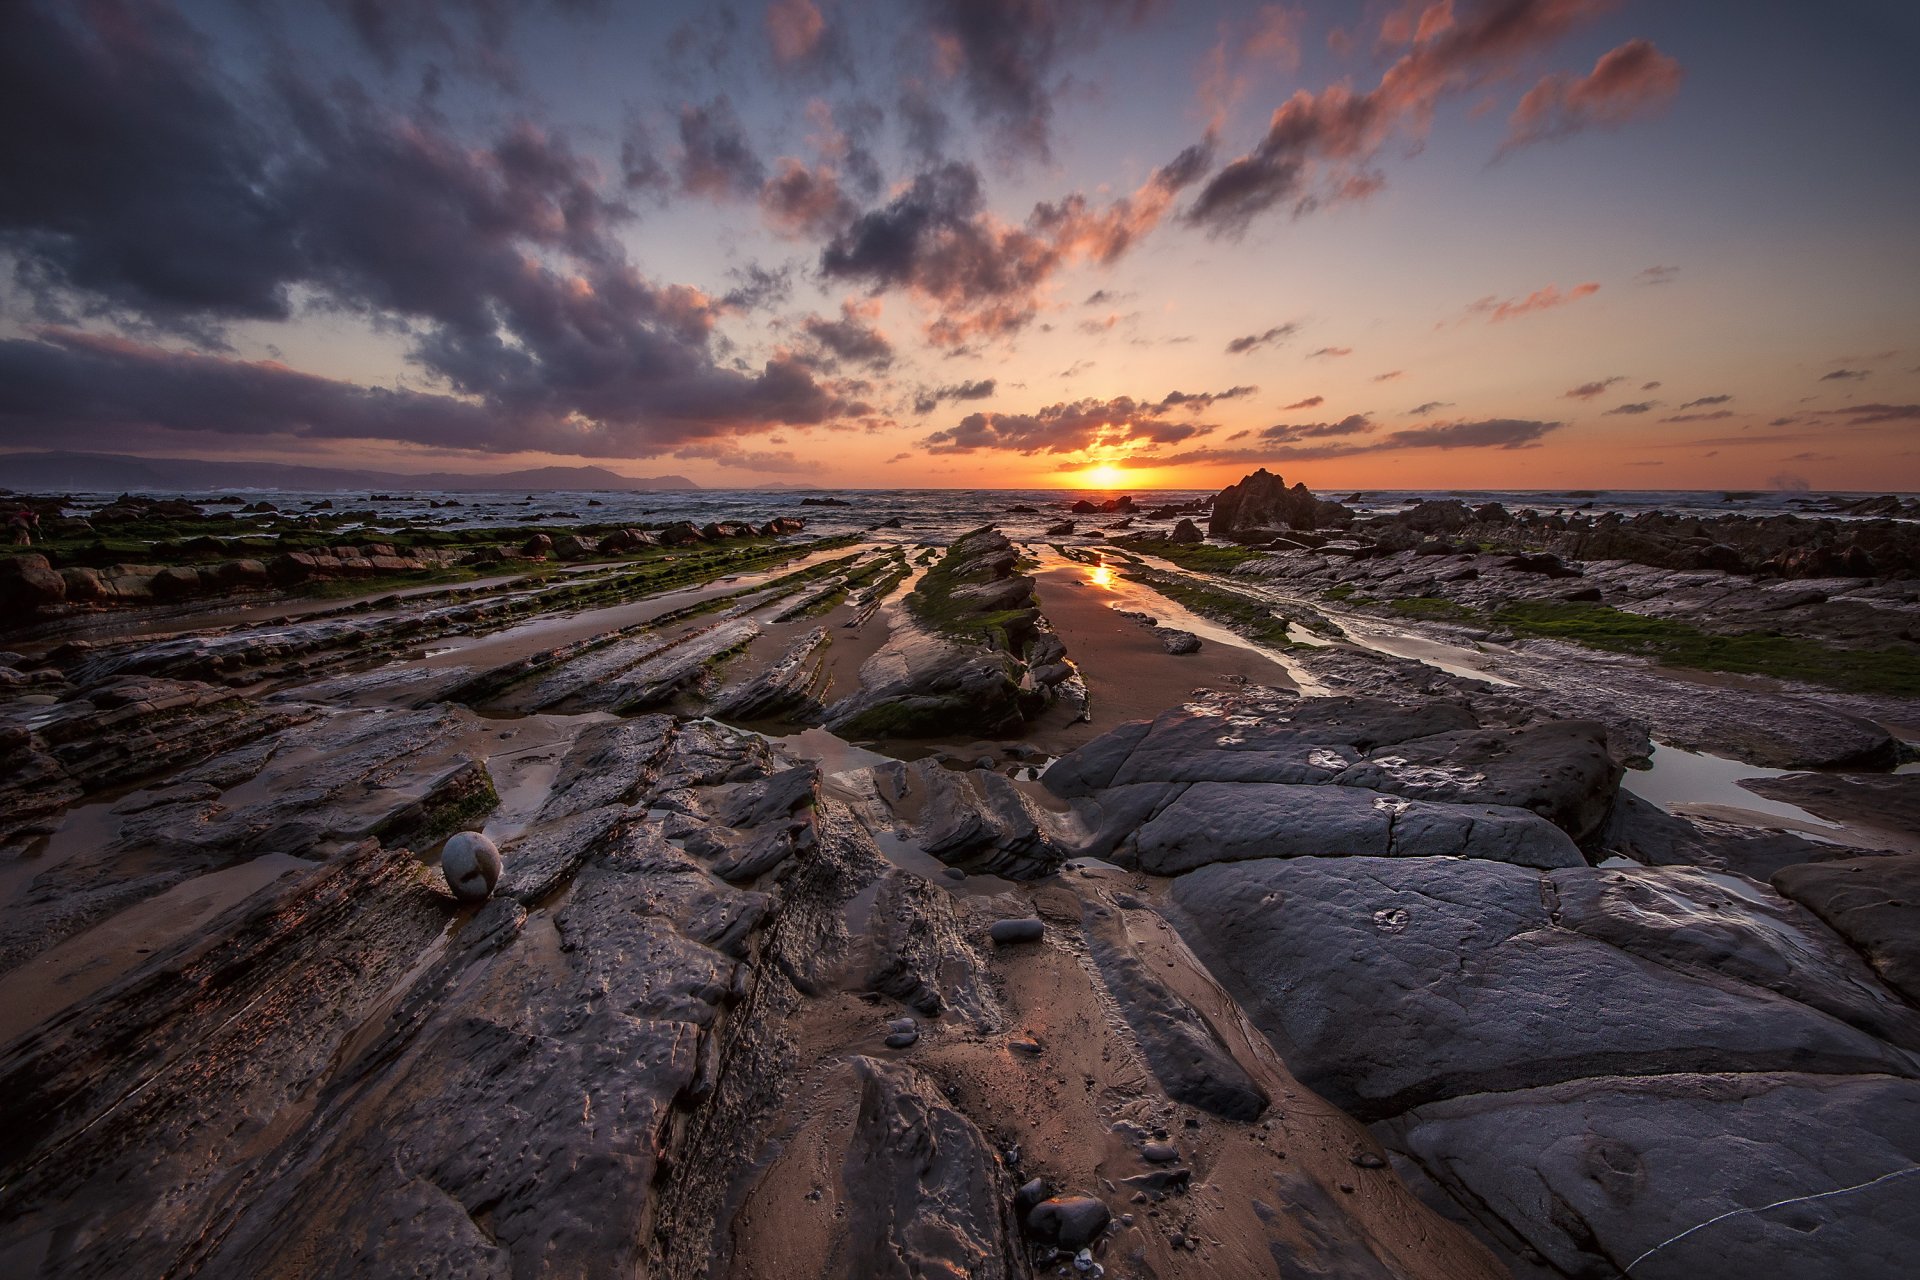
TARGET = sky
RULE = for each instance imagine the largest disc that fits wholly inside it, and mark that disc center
(1108, 244)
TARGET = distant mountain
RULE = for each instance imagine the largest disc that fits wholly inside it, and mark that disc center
(120, 472)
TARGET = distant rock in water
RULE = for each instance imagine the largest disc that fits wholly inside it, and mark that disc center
(1262, 504)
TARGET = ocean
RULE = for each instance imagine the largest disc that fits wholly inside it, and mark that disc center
(934, 514)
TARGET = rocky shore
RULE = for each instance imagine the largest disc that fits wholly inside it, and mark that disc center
(888, 909)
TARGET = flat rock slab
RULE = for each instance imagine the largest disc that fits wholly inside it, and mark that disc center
(1387, 983)
(1230, 822)
(1872, 902)
(1887, 801)
(1687, 1177)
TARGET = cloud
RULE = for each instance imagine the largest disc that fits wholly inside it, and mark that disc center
(1716, 416)
(1319, 147)
(1632, 80)
(937, 240)
(1589, 390)
(1331, 352)
(1497, 310)
(805, 201)
(1069, 427)
(1492, 433)
(758, 287)
(158, 190)
(1846, 375)
(716, 160)
(1254, 341)
(1421, 410)
(850, 338)
(1651, 386)
(1194, 401)
(84, 390)
(1638, 407)
(1311, 402)
(794, 29)
(1867, 415)
(930, 399)
(1353, 425)
(1005, 51)
(1656, 275)
(1703, 400)
(1809, 457)
(1392, 375)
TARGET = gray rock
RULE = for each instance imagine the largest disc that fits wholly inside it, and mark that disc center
(471, 864)
(923, 1185)
(1560, 769)
(1182, 1050)
(1388, 983)
(1009, 932)
(1228, 822)
(1872, 902)
(1680, 1177)
(1068, 1222)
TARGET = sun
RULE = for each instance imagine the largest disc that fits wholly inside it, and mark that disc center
(1103, 476)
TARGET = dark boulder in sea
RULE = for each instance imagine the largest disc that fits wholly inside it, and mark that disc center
(1188, 532)
(1262, 503)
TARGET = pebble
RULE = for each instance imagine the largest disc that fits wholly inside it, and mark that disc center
(1024, 1044)
(1159, 1153)
(1008, 932)
(903, 1039)
(471, 864)
(1368, 1160)
(1072, 1222)
(954, 873)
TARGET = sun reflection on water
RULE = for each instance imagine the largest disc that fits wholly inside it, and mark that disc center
(1101, 576)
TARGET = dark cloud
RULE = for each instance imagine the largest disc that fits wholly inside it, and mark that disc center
(1634, 409)
(153, 189)
(1633, 80)
(757, 287)
(1392, 375)
(1704, 400)
(1005, 52)
(850, 338)
(1421, 410)
(1194, 401)
(803, 200)
(923, 125)
(716, 160)
(1866, 415)
(1254, 341)
(1845, 375)
(1320, 146)
(1590, 390)
(1356, 424)
(1717, 415)
(936, 240)
(1494, 433)
(1651, 386)
(1066, 428)
(1656, 275)
(1331, 352)
(1311, 402)
(932, 398)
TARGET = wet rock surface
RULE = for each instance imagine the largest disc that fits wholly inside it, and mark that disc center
(770, 1005)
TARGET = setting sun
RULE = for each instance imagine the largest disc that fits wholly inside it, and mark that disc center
(1103, 476)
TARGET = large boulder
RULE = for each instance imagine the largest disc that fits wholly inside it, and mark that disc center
(28, 582)
(1262, 502)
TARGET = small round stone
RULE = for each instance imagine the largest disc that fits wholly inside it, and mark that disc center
(471, 864)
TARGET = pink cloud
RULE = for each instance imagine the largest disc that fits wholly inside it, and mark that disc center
(1633, 80)
(1496, 309)
(794, 27)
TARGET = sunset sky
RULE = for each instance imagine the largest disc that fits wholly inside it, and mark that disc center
(1111, 243)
